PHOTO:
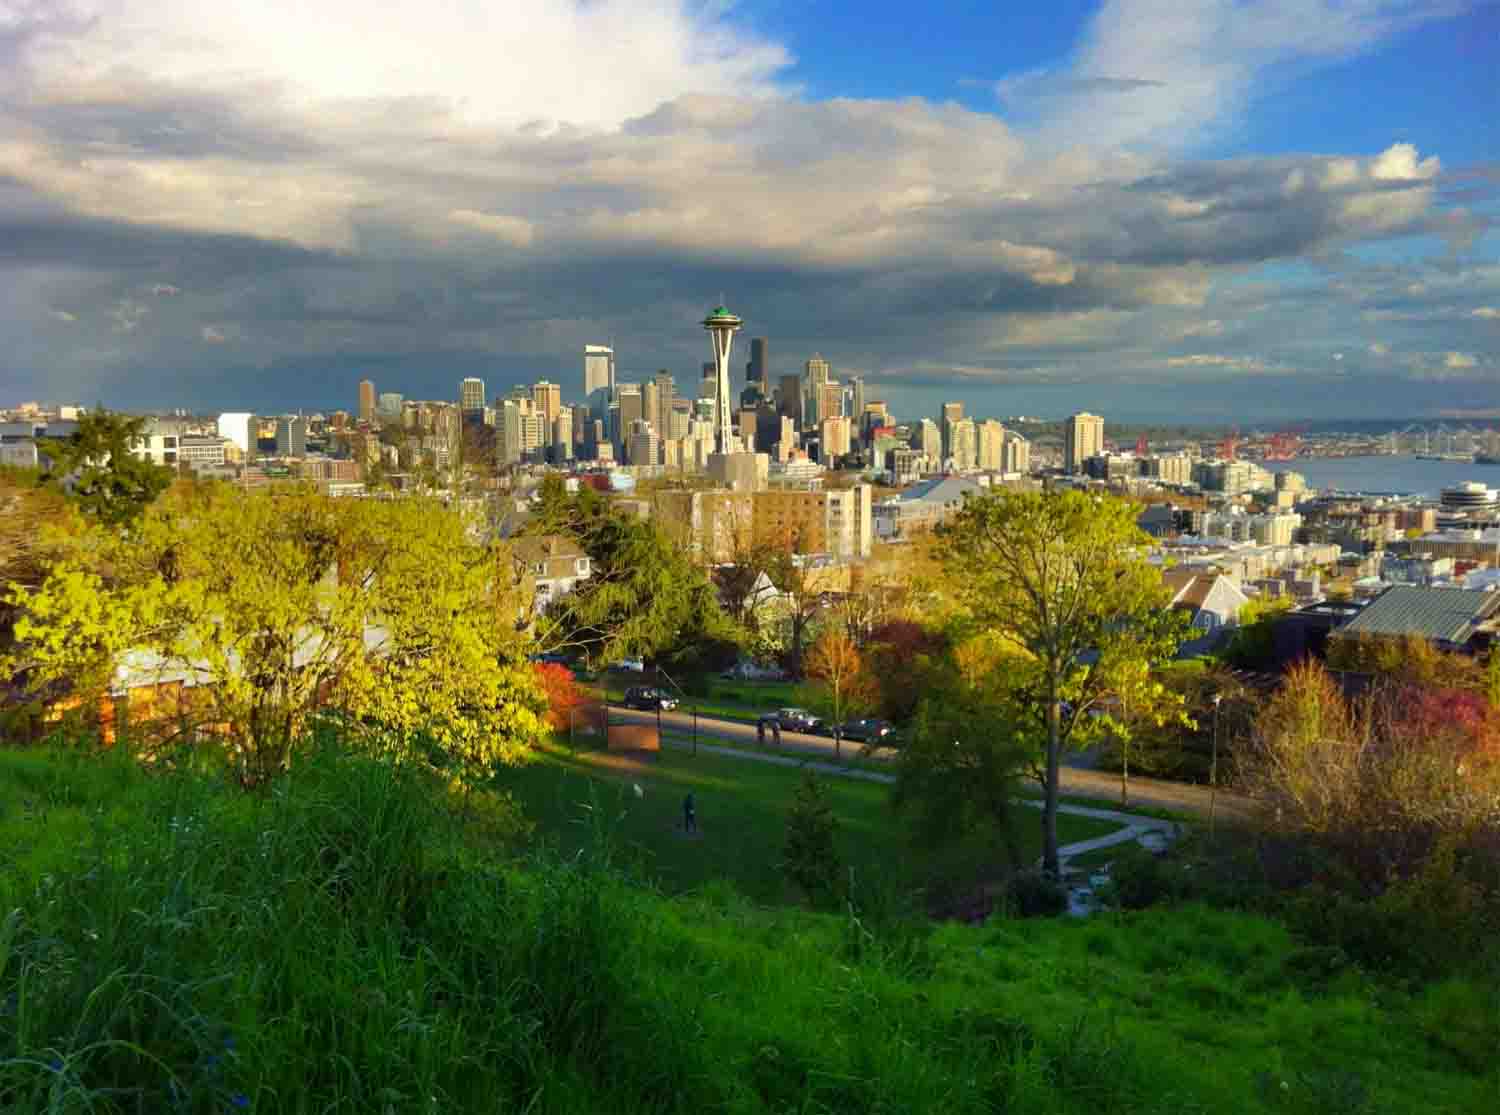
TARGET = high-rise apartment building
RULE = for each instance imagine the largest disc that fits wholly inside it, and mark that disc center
(548, 400)
(833, 439)
(927, 439)
(471, 393)
(818, 371)
(522, 430)
(1083, 437)
(644, 446)
(833, 522)
(366, 400)
(389, 406)
(1016, 455)
(562, 435)
(991, 446)
(598, 377)
(829, 401)
(947, 418)
(964, 447)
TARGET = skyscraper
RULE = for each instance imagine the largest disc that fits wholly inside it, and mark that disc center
(721, 326)
(471, 394)
(1083, 437)
(856, 397)
(366, 400)
(756, 371)
(548, 400)
(991, 446)
(790, 402)
(389, 406)
(291, 437)
(952, 413)
(666, 393)
(598, 377)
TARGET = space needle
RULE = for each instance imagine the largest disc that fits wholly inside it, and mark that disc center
(722, 326)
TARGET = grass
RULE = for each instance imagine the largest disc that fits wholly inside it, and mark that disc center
(741, 808)
(343, 942)
(732, 700)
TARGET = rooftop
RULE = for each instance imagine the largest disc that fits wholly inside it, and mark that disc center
(1449, 615)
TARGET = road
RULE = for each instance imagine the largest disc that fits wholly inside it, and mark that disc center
(1098, 785)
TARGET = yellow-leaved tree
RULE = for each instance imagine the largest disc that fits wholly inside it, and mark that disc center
(259, 617)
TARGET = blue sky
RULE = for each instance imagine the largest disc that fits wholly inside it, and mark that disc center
(1206, 209)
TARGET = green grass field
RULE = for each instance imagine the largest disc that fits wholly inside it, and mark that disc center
(346, 942)
(741, 807)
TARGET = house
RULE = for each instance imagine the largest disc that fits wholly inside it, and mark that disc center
(549, 566)
(1212, 601)
(1453, 618)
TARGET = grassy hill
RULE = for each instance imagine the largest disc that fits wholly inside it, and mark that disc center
(345, 942)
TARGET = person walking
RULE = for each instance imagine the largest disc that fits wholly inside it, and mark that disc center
(689, 814)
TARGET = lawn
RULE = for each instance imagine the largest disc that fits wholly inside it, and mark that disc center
(735, 700)
(741, 809)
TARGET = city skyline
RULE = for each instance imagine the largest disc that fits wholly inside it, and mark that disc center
(1267, 213)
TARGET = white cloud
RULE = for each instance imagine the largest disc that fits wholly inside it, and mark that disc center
(1400, 161)
(1459, 360)
(1162, 73)
(1489, 313)
(593, 63)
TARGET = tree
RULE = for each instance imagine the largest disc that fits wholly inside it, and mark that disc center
(840, 685)
(564, 697)
(810, 858)
(643, 596)
(1063, 581)
(283, 609)
(96, 466)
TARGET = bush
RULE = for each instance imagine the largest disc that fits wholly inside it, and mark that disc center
(1030, 894)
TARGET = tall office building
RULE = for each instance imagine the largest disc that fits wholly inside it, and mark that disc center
(366, 400)
(628, 409)
(562, 435)
(548, 400)
(522, 430)
(789, 401)
(291, 437)
(756, 371)
(951, 414)
(964, 448)
(1017, 454)
(1083, 437)
(660, 415)
(927, 439)
(471, 394)
(598, 378)
(856, 397)
(818, 371)
(830, 402)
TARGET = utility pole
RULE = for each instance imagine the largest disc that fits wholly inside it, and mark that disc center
(1213, 768)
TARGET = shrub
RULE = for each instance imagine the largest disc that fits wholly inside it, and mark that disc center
(1030, 894)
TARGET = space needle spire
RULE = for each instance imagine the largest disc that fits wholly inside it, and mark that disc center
(722, 326)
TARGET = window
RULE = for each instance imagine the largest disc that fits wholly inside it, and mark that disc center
(583, 567)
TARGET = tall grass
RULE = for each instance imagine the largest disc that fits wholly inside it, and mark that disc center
(345, 942)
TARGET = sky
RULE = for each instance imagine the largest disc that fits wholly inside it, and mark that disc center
(1196, 210)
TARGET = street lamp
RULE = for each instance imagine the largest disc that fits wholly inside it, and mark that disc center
(1213, 767)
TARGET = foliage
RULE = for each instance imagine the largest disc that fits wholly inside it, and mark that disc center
(282, 607)
(1253, 644)
(97, 469)
(564, 696)
(810, 857)
(1062, 580)
(644, 597)
(344, 944)
(903, 654)
(840, 685)
(959, 773)
(1409, 658)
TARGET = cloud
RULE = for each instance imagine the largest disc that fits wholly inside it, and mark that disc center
(63, 315)
(163, 168)
(1459, 360)
(1489, 313)
(1194, 66)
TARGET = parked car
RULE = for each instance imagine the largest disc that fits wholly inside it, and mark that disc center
(648, 698)
(794, 720)
(629, 665)
(869, 729)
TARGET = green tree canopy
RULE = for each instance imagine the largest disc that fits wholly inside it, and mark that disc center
(643, 597)
(1062, 582)
(282, 608)
(96, 467)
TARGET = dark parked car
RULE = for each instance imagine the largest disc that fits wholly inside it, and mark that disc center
(794, 720)
(649, 699)
(870, 729)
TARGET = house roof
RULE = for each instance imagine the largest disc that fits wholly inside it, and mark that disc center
(1450, 615)
(940, 489)
(1192, 588)
(541, 547)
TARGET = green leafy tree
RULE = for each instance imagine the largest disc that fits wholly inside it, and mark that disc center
(1062, 581)
(285, 608)
(810, 858)
(643, 597)
(95, 465)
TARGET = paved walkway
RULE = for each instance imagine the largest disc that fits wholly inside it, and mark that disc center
(1134, 827)
(1152, 793)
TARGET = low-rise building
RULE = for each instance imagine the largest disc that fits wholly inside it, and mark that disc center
(922, 506)
(548, 567)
